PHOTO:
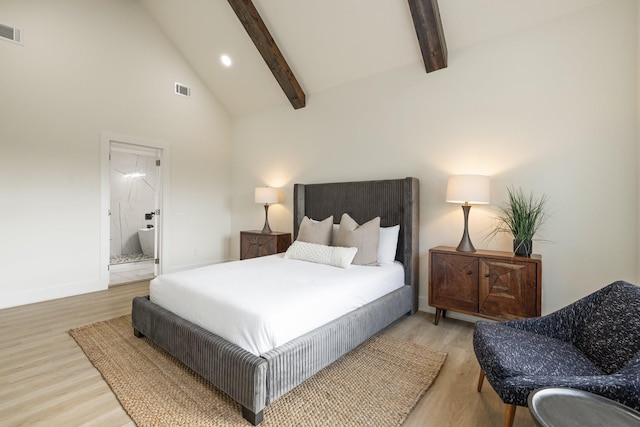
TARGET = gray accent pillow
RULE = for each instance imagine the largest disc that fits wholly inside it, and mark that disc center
(365, 237)
(318, 232)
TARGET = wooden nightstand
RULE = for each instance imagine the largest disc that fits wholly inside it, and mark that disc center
(256, 243)
(491, 284)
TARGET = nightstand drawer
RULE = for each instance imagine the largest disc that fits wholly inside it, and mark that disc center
(256, 244)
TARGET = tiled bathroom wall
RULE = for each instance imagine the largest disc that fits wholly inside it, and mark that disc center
(134, 185)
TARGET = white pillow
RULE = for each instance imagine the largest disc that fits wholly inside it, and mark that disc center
(321, 254)
(388, 244)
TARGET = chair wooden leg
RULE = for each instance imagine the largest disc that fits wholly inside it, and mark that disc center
(509, 414)
(480, 380)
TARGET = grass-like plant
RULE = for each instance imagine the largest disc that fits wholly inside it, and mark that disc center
(522, 216)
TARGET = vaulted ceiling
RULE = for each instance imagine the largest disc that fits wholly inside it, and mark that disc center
(328, 43)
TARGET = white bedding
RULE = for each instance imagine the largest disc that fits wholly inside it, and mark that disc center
(262, 303)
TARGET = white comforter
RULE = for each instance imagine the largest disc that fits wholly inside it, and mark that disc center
(262, 303)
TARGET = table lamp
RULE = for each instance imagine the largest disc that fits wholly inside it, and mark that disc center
(266, 196)
(468, 190)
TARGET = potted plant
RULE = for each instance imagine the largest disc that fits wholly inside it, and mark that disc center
(522, 216)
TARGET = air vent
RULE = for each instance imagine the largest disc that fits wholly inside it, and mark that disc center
(183, 90)
(10, 34)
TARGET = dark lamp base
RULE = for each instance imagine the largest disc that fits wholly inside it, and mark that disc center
(266, 228)
(465, 244)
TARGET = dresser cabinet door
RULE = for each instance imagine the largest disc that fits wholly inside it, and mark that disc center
(507, 289)
(454, 282)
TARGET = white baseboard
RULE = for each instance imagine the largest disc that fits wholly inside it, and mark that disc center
(175, 269)
(52, 292)
(423, 305)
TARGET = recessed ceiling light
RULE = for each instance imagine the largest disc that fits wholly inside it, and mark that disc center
(226, 61)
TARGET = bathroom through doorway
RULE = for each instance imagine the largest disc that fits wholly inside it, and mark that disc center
(134, 210)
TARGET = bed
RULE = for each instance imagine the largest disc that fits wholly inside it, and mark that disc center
(254, 381)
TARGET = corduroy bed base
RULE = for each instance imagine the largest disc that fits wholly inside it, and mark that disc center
(255, 381)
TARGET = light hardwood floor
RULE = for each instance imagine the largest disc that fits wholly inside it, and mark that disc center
(46, 380)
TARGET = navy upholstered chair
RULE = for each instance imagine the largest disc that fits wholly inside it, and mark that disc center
(592, 344)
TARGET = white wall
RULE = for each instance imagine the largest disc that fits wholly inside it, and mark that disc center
(87, 67)
(551, 109)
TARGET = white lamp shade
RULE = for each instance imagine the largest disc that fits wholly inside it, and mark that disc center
(471, 189)
(266, 195)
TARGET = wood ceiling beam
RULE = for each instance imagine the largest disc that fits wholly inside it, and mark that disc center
(426, 19)
(259, 34)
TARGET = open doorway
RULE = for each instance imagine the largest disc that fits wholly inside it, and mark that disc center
(134, 188)
(132, 181)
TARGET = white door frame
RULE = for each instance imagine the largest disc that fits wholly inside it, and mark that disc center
(106, 138)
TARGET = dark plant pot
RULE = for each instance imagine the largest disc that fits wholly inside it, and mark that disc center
(522, 247)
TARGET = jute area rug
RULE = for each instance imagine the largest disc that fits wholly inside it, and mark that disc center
(377, 384)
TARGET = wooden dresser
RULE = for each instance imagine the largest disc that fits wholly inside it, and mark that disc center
(256, 243)
(490, 284)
